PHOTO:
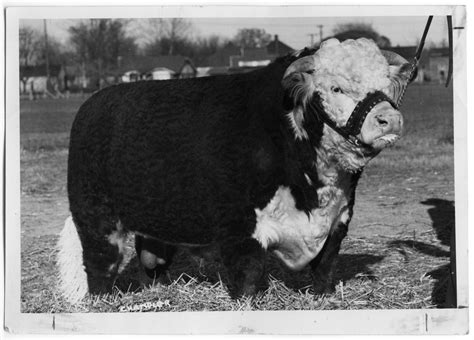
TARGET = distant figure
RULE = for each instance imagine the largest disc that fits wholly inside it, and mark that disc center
(442, 76)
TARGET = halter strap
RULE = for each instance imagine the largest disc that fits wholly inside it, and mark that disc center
(354, 124)
(362, 109)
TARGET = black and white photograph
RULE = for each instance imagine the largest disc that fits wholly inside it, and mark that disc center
(244, 160)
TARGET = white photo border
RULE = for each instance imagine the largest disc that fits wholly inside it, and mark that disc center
(424, 321)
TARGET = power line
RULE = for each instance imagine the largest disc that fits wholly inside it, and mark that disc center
(46, 48)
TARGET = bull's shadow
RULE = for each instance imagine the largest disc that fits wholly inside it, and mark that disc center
(442, 215)
(348, 267)
(187, 266)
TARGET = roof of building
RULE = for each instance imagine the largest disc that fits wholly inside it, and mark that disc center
(187, 66)
(39, 71)
(162, 69)
(222, 56)
(407, 52)
(77, 69)
(217, 70)
(354, 34)
(230, 54)
(146, 63)
(283, 48)
(439, 52)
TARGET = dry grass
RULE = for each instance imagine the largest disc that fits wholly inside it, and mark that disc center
(395, 256)
(396, 277)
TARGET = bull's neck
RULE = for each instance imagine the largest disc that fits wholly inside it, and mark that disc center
(327, 166)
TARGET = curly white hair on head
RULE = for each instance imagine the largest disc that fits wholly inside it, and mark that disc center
(342, 73)
(357, 66)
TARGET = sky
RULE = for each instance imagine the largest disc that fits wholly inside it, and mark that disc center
(402, 31)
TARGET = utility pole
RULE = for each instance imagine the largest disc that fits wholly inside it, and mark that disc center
(320, 33)
(46, 48)
(312, 38)
(312, 35)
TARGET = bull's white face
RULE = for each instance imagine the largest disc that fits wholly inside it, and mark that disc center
(382, 126)
(342, 74)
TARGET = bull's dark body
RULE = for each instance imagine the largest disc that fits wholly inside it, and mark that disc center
(187, 162)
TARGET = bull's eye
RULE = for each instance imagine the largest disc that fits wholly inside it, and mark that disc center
(336, 89)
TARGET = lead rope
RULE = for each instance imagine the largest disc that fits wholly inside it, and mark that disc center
(450, 39)
(416, 59)
(419, 50)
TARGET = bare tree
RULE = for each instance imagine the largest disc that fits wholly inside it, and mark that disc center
(160, 35)
(99, 42)
(355, 30)
(33, 48)
(146, 31)
(176, 29)
(353, 26)
(29, 40)
(252, 38)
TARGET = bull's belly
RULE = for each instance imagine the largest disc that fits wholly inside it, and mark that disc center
(295, 237)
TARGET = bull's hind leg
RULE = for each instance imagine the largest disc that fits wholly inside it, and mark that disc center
(104, 246)
(91, 250)
(155, 256)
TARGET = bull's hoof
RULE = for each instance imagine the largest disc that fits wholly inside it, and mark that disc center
(247, 284)
(323, 287)
(156, 272)
(239, 291)
(102, 285)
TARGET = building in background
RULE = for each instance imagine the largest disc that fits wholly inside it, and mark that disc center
(433, 65)
(34, 80)
(135, 68)
(234, 59)
(438, 64)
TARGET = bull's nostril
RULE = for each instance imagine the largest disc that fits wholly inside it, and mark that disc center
(382, 122)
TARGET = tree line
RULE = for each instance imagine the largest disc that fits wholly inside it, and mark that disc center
(99, 42)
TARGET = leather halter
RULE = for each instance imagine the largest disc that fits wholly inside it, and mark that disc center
(354, 124)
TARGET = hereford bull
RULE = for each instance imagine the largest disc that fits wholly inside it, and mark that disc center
(263, 161)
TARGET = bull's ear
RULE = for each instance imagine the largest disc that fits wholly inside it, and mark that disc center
(290, 83)
(403, 72)
(399, 67)
(400, 77)
(297, 90)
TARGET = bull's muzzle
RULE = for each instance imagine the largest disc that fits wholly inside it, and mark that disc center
(382, 127)
(388, 120)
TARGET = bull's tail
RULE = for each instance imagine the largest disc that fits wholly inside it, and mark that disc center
(72, 276)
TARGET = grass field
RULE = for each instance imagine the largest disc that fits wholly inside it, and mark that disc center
(395, 256)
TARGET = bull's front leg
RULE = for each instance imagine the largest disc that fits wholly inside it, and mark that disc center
(324, 265)
(244, 259)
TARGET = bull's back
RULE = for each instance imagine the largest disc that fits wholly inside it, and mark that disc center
(171, 155)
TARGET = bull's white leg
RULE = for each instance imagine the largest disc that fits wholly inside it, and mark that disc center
(72, 276)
